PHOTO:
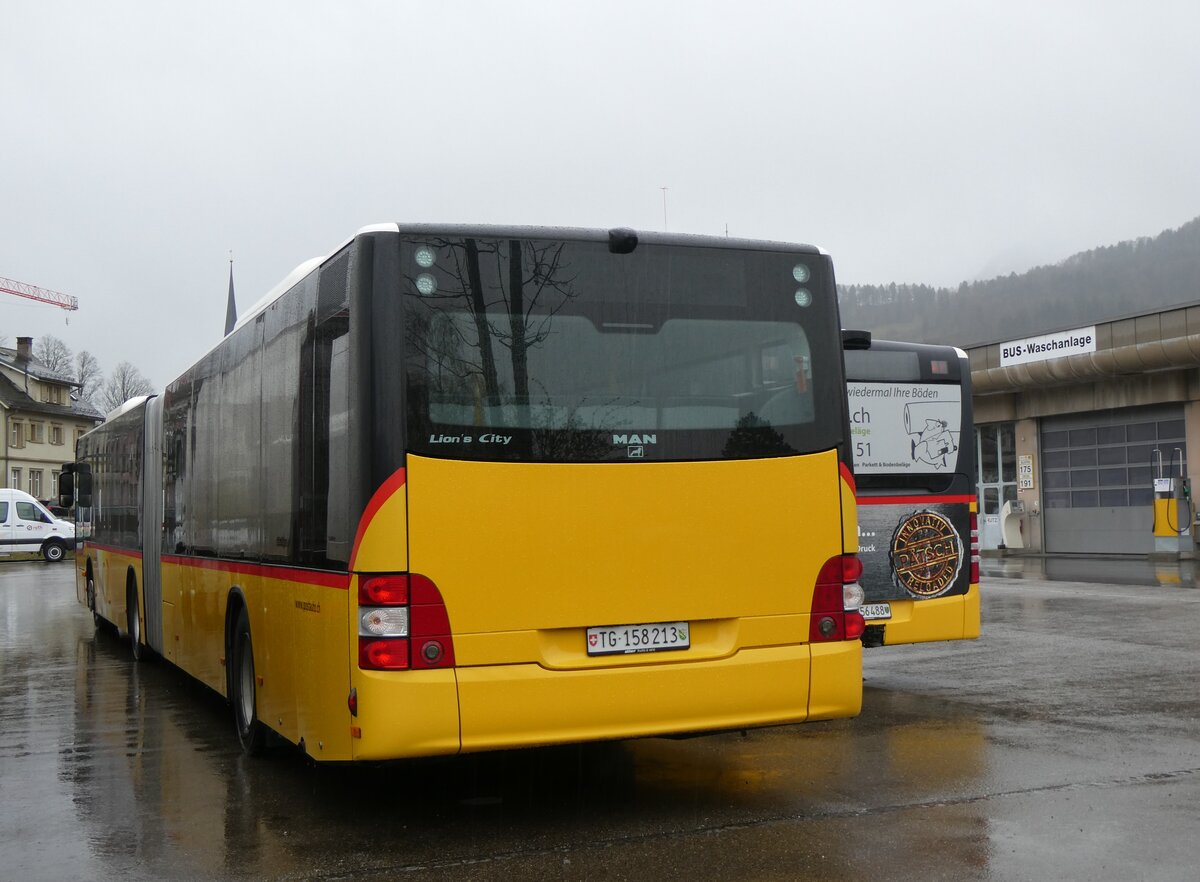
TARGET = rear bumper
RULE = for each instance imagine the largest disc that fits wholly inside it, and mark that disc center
(519, 705)
(941, 618)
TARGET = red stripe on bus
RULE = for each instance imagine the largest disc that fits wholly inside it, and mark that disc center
(111, 549)
(386, 490)
(340, 581)
(915, 500)
(290, 574)
(847, 476)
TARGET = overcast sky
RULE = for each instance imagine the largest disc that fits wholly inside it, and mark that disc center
(918, 141)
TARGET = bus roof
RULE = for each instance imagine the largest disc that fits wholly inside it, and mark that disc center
(577, 234)
(905, 346)
(131, 404)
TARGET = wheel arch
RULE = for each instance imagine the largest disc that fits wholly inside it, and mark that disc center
(235, 602)
(56, 541)
(131, 584)
(135, 614)
(90, 588)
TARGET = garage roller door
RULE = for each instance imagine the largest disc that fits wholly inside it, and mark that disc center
(1097, 477)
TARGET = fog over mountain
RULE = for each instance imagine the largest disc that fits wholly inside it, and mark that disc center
(1106, 283)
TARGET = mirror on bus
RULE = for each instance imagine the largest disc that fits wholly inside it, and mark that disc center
(75, 485)
(83, 485)
(66, 487)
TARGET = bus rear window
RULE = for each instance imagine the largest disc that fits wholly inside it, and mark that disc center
(597, 393)
(678, 356)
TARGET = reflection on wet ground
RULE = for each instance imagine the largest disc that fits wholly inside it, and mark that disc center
(1107, 571)
(1060, 745)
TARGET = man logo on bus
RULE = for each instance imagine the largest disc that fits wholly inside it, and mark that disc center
(926, 553)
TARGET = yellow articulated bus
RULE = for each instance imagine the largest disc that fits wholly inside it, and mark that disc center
(913, 442)
(461, 488)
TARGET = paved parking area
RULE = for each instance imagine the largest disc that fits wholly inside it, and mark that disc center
(1061, 745)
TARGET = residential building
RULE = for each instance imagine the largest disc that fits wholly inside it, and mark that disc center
(42, 416)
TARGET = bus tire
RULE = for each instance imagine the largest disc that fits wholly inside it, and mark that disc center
(242, 692)
(133, 622)
(90, 597)
(54, 551)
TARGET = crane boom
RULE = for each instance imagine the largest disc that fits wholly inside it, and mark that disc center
(42, 295)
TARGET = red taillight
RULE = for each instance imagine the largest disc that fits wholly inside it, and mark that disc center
(383, 590)
(974, 549)
(383, 654)
(830, 620)
(403, 623)
(855, 625)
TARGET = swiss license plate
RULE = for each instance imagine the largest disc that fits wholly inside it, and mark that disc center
(872, 611)
(625, 639)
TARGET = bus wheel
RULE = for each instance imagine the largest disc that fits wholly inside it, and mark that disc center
(54, 551)
(134, 622)
(90, 596)
(242, 688)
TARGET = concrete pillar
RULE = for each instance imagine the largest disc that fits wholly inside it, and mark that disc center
(1027, 445)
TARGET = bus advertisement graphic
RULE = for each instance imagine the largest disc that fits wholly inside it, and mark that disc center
(913, 551)
(904, 428)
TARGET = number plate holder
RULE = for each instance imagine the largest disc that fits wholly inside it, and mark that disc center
(630, 639)
(874, 612)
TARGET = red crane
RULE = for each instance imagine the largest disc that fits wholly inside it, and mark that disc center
(42, 295)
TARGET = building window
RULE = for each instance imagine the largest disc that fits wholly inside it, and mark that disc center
(997, 475)
(16, 434)
(15, 479)
(54, 394)
(56, 435)
(35, 483)
(37, 433)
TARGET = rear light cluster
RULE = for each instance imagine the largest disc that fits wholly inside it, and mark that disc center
(974, 549)
(402, 624)
(837, 601)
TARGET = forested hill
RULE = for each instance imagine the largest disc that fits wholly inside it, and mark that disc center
(1131, 278)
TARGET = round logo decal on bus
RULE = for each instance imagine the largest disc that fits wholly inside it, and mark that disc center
(926, 553)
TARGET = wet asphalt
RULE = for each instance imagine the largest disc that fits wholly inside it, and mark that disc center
(1064, 744)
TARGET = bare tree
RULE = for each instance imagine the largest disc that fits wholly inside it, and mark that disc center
(53, 354)
(124, 383)
(87, 375)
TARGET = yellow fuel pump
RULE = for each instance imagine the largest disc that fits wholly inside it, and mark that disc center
(1173, 509)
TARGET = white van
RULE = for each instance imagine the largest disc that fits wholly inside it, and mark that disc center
(27, 526)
